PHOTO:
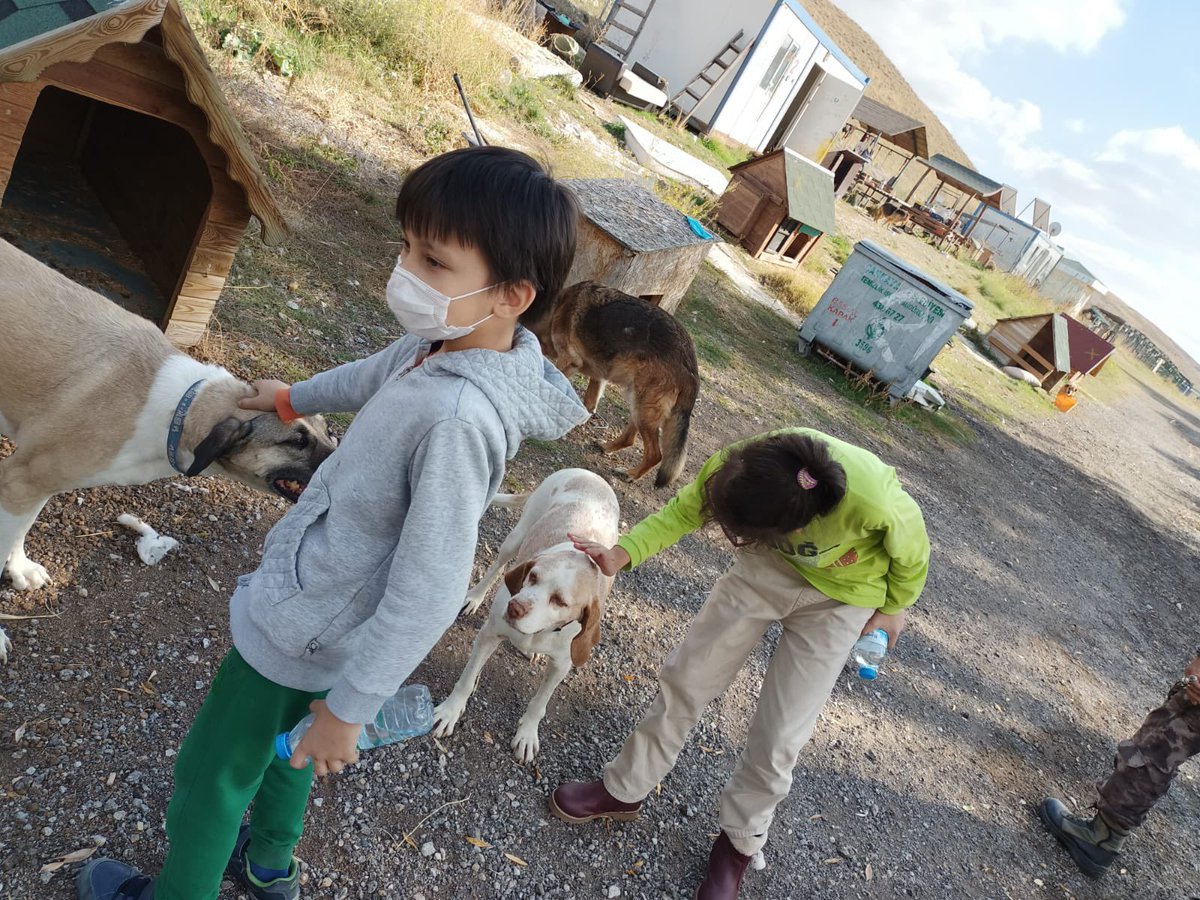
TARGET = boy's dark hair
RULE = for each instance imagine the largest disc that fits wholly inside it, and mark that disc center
(503, 203)
(757, 497)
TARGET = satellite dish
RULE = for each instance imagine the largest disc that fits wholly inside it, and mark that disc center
(1055, 229)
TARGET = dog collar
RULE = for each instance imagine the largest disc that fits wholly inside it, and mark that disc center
(175, 432)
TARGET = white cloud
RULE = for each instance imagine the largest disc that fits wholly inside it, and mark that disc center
(1173, 143)
(964, 28)
(1112, 203)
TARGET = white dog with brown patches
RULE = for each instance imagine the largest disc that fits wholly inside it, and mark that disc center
(551, 602)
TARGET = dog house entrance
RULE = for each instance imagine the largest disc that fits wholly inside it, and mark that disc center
(112, 198)
(788, 241)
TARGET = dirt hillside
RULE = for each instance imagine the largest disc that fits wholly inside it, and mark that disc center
(1187, 365)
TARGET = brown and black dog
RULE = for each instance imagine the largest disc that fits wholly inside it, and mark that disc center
(889, 213)
(608, 336)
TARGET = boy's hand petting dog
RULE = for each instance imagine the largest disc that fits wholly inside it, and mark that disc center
(329, 743)
(264, 397)
(610, 560)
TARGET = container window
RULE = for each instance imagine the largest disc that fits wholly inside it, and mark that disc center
(784, 57)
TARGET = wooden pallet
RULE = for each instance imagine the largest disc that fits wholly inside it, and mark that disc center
(865, 380)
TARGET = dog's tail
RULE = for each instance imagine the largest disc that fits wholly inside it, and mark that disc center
(510, 501)
(675, 435)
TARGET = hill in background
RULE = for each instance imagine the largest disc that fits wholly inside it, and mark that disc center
(887, 85)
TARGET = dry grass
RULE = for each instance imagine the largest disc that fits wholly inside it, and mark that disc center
(394, 59)
(801, 288)
(691, 201)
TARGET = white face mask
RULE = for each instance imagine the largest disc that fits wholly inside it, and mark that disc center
(422, 310)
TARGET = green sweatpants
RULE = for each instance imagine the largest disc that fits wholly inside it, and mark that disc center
(228, 760)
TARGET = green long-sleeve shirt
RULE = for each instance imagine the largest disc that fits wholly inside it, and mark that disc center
(871, 550)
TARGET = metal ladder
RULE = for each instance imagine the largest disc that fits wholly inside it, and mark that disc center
(634, 22)
(705, 80)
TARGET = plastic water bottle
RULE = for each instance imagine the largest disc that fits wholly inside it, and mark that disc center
(868, 653)
(407, 715)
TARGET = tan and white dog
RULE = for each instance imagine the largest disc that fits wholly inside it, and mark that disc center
(94, 395)
(551, 602)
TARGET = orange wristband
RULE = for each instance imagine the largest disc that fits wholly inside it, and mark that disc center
(283, 405)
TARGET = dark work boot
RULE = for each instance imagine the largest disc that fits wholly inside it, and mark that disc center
(580, 801)
(1093, 843)
(725, 870)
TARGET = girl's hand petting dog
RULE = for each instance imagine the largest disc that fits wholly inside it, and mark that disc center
(610, 560)
(329, 743)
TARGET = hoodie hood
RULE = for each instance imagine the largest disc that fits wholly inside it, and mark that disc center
(532, 398)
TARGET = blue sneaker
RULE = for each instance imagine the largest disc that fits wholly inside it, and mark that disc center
(285, 888)
(107, 879)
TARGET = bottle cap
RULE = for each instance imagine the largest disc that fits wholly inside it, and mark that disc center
(867, 673)
(283, 746)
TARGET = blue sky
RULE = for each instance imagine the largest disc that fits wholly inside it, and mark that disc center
(1093, 105)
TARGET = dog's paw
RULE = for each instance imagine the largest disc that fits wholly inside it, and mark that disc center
(27, 575)
(5, 646)
(758, 862)
(525, 744)
(446, 715)
(472, 603)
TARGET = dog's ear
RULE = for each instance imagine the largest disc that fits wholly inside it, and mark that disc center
(514, 579)
(225, 435)
(589, 633)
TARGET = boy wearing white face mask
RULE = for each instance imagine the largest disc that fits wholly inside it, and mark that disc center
(362, 577)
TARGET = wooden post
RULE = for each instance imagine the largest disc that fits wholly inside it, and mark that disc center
(957, 216)
(974, 224)
(917, 185)
(895, 179)
(941, 184)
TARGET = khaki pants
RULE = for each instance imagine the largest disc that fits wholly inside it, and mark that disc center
(818, 633)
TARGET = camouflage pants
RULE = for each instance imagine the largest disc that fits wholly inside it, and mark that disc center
(1146, 763)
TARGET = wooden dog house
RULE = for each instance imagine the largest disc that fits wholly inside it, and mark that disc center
(1052, 347)
(778, 206)
(632, 241)
(121, 164)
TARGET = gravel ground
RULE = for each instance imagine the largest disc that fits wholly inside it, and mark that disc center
(1064, 553)
(1060, 606)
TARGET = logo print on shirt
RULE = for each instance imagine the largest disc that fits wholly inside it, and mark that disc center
(849, 558)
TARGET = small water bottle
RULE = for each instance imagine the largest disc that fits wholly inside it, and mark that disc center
(407, 715)
(868, 653)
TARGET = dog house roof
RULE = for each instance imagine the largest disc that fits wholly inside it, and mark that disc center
(632, 216)
(35, 34)
(809, 192)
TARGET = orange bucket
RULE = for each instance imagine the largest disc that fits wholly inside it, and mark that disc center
(1064, 401)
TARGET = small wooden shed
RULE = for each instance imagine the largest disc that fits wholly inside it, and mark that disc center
(632, 241)
(121, 163)
(778, 206)
(1052, 347)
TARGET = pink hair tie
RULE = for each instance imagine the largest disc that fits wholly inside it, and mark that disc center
(806, 481)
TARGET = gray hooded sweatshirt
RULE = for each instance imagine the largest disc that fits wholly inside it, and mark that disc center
(365, 573)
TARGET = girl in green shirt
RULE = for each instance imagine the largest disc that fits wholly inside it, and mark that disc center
(829, 545)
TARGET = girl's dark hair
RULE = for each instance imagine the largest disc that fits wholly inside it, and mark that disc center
(756, 496)
(503, 203)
